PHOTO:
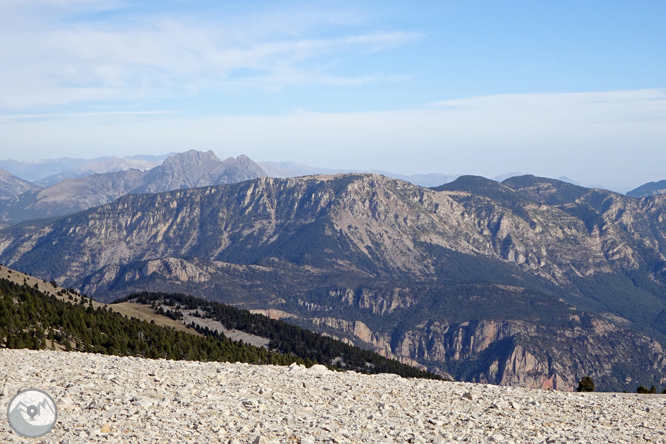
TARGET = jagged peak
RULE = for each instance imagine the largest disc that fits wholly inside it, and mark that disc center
(192, 156)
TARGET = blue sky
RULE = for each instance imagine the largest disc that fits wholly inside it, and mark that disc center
(553, 88)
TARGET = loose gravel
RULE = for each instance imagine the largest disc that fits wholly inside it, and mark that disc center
(111, 399)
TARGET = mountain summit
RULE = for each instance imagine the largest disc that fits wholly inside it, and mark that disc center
(197, 169)
(648, 189)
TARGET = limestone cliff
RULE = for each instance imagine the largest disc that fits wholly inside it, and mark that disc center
(517, 353)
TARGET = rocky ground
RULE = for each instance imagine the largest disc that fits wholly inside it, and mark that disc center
(131, 400)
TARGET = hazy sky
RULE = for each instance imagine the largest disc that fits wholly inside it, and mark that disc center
(553, 88)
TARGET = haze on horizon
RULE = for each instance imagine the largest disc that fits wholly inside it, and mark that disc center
(554, 89)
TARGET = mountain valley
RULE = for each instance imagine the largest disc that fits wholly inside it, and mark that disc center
(530, 282)
(38, 315)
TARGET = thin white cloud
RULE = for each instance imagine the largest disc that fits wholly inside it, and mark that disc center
(611, 138)
(55, 62)
(66, 116)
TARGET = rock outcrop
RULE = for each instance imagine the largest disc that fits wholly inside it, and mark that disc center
(517, 353)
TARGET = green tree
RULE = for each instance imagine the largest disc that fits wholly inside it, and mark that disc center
(586, 384)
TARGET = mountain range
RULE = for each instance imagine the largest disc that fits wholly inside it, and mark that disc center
(80, 191)
(75, 184)
(531, 281)
(43, 170)
(99, 166)
(97, 184)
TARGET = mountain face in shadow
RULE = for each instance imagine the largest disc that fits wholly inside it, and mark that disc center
(648, 189)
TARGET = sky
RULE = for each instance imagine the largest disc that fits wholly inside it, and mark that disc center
(551, 88)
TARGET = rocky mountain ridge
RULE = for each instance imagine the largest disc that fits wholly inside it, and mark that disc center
(82, 190)
(285, 170)
(515, 266)
(384, 227)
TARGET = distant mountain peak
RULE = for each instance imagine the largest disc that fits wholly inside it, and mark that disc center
(196, 169)
(12, 186)
(648, 189)
(102, 181)
(191, 156)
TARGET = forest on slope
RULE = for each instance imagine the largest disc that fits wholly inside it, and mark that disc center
(31, 319)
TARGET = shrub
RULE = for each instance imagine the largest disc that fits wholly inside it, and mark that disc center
(586, 384)
(642, 390)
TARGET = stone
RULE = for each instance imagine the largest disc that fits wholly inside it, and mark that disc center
(319, 369)
(268, 404)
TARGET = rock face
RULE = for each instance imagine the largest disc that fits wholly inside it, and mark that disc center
(518, 353)
(183, 170)
(531, 282)
(84, 187)
(197, 169)
(233, 170)
(113, 399)
(369, 223)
